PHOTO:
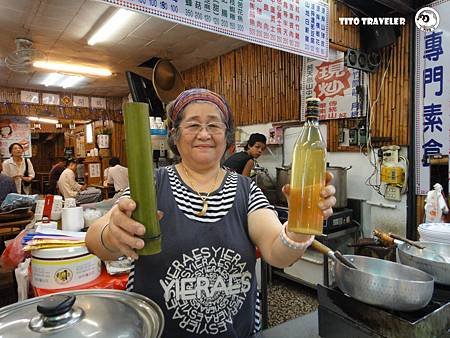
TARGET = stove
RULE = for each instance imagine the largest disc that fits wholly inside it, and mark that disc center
(340, 220)
(343, 316)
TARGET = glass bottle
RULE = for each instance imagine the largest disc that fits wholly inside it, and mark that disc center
(307, 175)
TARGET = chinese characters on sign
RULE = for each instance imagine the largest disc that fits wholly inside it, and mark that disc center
(432, 97)
(295, 26)
(335, 85)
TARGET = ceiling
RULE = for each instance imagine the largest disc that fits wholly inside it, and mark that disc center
(61, 28)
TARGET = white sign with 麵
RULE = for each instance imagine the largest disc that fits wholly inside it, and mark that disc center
(295, 26)
(29, 97)
(337, 87)
(432, 119)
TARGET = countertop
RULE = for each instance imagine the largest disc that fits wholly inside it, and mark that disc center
(306, 326)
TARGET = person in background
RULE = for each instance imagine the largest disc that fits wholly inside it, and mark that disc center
(117, 175)
(244, 161)
(69, 188)
(211, 220)
(7, 186)
(54, 175)
(19, 168)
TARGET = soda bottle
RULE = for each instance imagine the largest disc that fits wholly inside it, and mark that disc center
(307, 175)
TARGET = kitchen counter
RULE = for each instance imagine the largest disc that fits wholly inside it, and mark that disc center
(306, 326)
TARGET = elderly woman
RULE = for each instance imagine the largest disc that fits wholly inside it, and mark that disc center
(19, 168)
(211, 222)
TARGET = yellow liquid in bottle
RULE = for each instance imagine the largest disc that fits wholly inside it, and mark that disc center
(307, 179)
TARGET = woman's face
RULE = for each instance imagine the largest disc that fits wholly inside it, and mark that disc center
(197, 144)
(16, 151)
(257, 149)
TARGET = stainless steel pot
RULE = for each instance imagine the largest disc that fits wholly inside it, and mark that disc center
(84, 313)
(382, 283)
(340, 183)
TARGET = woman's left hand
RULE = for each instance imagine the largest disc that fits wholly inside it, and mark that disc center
(327, 193)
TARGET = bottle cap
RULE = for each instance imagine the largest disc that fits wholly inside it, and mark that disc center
(312, 107)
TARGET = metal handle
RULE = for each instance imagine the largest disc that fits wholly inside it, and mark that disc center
(400, 238)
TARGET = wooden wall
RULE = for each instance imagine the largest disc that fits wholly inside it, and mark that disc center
(10, 104)
(262, 85)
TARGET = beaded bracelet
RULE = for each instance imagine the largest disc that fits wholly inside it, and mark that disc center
(102, 241)
(293, 244)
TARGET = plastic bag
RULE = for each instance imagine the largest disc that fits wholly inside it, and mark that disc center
(23, 279)
(13, 253)
(15, 201)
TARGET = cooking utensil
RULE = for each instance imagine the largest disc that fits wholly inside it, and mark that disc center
(84, 313)
(334, 255)
(382, 283)
(431, 257)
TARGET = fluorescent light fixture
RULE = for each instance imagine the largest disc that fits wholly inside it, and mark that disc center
(52, 79)
(111, 26)
(89, 133)
(71, 68)
(70, 81)
(42, 119)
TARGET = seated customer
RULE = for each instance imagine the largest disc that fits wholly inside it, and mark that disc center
(117, 175)
(69, 187)
(54, 175)
(243, 161)
(7, 186)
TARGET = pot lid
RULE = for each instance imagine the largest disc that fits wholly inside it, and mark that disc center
(84, 313)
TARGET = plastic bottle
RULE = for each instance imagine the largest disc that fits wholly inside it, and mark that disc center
(308, 175)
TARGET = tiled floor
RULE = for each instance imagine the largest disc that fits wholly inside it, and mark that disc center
(288, 300)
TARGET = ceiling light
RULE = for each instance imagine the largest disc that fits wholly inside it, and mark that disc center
(71, 68)
(111, 26)
(58, 125)
(70, 81)
(42, 119)
(52, 79)
(72, 125)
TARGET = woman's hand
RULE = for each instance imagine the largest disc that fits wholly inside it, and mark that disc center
(122, 232)
(27, 178)
(327, 193)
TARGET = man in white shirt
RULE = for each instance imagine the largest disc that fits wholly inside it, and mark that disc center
(69, 187)
(117, 175)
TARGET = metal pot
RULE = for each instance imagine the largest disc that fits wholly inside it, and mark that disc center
(283, 177)
(434, 259)
(84, 313)
(340, 183)
(378, 282)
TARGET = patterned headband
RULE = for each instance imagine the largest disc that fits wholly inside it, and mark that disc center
(198, 94)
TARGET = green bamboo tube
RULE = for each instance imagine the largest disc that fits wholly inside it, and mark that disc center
(140, 173)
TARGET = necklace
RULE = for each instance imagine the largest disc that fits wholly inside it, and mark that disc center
(203, 198)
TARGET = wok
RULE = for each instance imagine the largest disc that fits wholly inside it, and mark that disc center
(433, 258)
(382, 283)
(435, 262)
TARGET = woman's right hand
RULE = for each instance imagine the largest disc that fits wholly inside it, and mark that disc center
(122, 232)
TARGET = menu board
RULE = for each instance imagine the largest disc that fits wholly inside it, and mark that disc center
(295, 26)
(335, 85)
(432, 119)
